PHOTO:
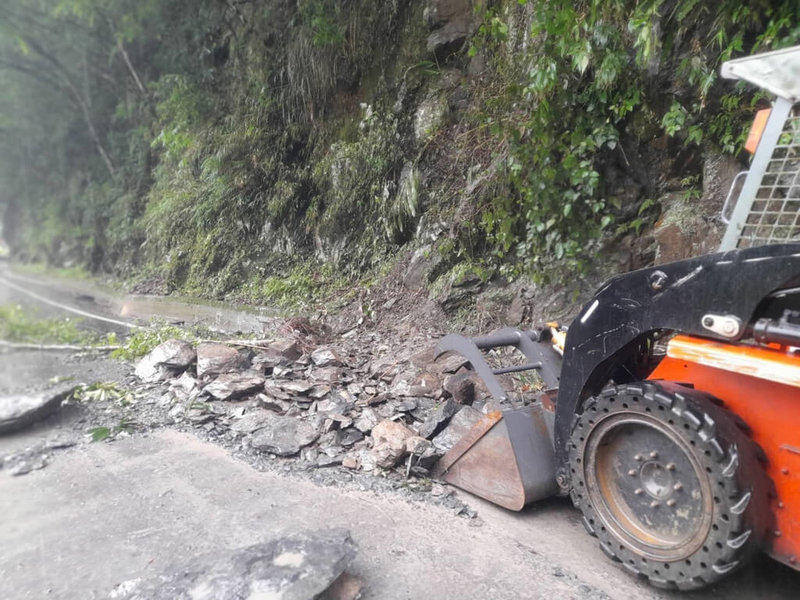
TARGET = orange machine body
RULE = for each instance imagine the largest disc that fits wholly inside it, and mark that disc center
(762, 386)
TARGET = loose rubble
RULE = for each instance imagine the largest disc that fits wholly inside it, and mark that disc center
(298, 567)
(356, 405)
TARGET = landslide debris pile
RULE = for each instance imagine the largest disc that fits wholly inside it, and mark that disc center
(322, 403)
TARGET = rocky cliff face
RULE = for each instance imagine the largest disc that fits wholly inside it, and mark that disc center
(482, 154)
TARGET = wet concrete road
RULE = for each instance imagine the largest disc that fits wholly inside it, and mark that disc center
(101, 514)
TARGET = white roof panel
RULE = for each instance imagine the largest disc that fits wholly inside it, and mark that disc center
(777, 72)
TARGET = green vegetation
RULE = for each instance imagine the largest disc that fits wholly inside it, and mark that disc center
(26, 326)
(602, 81)
(143, 341)
(274, 151)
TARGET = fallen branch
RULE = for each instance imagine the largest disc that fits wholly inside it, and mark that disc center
(255, 344)
(56, 347)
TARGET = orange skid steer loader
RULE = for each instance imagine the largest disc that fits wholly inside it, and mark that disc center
(672, 420)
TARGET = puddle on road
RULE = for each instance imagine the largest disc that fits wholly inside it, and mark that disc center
(216, 317)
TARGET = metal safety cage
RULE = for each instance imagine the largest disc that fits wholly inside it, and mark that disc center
(767, 210)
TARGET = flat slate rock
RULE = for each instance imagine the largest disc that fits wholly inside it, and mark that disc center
(21, 410)
(299, 567)
(284, 436)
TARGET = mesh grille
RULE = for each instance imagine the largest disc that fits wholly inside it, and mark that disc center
(775, 215)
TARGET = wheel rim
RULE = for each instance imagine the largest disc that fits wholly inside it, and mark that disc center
(647, 486)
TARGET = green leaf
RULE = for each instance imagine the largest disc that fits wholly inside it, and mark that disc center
(100, 433)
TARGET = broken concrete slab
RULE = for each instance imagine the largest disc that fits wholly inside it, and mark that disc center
(230, 386)
(284, 436)
(18, 411)
(216, 359)
(298, 567)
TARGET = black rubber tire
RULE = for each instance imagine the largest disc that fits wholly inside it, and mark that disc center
(734, 465)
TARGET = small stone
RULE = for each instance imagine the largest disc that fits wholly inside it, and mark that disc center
(295, 387)
(327, 374)
(417, 445)
(367, 420)
(350, 436)
(273, 404)
(326, 357)
(275, 392)
(229, 386)
(216, 359)
(319, 391)
(351, 462)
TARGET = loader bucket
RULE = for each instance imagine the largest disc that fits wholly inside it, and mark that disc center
(506, 457)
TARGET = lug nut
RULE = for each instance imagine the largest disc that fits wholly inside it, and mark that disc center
(638, 491)
(677, 487)
(638, 457)
(670, 466)
(654, 454)
(655, 504)
(632, 472)
(671, 502)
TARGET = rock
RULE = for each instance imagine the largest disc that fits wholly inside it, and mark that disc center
(275, 392)
(327, 374)
(252, 422)
(34, 458)
(326, 357)
(417, 445)
(185, 382)
(438, 418)
(459, 425)
(389, 439)
(461, 387)
(351, 462)
(430, 117)
(346, 587)
(319, 391)
(298, 567)
(273, 404)
(165, 361)
(350, 436)
(284, 436)
(288, 349)
(425, 384)
(367, 420)
(450, 363)
(20, 410)
(229, 386)
(295, 387)
(216, 359)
